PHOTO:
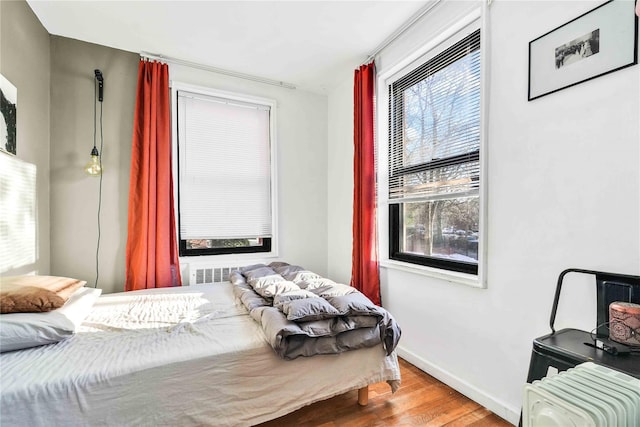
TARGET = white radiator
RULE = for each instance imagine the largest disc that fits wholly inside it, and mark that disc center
(588, 395)
(203, 275)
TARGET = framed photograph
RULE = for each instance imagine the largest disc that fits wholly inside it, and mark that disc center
(8, 110)
(596, 43)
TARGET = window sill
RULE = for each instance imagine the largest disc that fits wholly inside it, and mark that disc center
(449, 276)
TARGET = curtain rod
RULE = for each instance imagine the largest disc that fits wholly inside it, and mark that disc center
(163, 58)
(404, 27)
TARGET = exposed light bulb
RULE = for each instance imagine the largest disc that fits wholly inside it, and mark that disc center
(93, 168)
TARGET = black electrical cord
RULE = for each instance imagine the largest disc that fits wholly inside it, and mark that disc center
(594, 338)
(592, 333)
(100, 185)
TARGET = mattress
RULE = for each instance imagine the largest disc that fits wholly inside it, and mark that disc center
(175, 356)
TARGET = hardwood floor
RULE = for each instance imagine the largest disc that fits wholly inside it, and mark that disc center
(421, 401)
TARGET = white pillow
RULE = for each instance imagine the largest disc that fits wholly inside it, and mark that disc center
(24, 330)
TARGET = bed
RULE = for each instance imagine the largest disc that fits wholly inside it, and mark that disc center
(174, 356)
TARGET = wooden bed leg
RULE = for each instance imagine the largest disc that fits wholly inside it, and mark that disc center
(363, 396)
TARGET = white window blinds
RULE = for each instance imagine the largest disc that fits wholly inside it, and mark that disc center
(434, 127)
(224, 167)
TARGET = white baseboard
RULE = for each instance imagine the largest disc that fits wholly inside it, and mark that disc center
(499, 408)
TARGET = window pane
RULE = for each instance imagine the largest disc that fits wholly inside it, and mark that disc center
(222, 243)
(446, 229)
(441, 113)
(225, 197)
(224, 168)
(434, 159)
(435, 126)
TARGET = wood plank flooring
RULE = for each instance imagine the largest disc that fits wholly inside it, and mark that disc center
(421, 401)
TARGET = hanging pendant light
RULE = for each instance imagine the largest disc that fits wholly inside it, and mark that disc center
(94, 167)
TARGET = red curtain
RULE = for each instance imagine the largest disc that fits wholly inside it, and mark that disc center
(152, 250)
(364, 267)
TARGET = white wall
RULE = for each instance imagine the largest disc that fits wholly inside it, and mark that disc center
(340, 181)
(563, 191)
(301, 133)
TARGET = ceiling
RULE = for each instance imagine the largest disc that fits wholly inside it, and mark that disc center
(311, 44)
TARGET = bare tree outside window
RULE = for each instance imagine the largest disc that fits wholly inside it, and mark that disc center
(437, 111)
(434, 166)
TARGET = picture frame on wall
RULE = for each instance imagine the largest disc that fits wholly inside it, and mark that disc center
(598, 42)
(8, 115)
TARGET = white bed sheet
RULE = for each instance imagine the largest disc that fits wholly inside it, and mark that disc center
(173, 357)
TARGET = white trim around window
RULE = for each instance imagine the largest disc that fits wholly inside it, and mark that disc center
(474, 20)
(241, 98)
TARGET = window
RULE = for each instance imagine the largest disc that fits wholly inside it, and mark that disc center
(434, 160)
(225, 170)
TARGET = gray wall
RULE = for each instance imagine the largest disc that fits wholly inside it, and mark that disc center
(302, 167)
(24, 61)
(74, 195)
(55, 80)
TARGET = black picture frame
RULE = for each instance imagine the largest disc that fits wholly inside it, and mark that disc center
(598, 42)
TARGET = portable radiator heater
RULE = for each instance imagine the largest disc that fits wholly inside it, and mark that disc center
(588, 395)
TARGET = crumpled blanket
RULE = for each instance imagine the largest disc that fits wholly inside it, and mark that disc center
(304, 314)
